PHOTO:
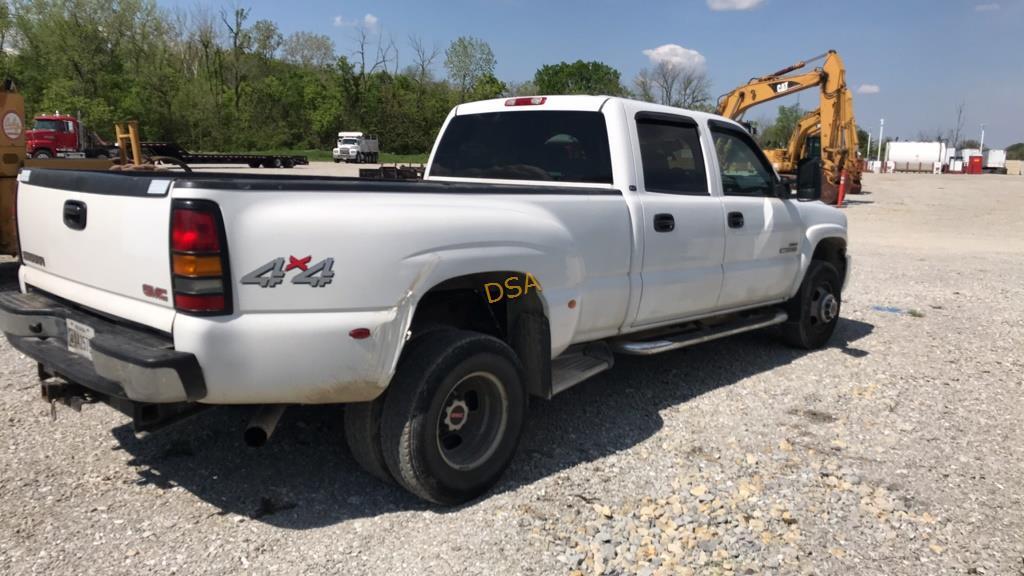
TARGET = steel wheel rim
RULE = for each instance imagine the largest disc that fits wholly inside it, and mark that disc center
(824, 305)
(472, 421)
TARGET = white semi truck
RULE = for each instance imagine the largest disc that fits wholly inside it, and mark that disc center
(549, 235)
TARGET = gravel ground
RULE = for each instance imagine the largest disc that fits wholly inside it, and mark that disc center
(897, 450)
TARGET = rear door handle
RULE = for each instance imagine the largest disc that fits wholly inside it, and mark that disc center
(735, 219)
(75, 213)
(664, 223)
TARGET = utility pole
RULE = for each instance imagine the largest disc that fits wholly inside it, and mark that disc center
(881, 130)
(982, 143)
(867, 155)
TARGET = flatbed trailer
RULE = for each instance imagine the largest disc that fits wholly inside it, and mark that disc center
(176, 151)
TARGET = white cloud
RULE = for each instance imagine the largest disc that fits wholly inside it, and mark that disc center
(369, 21)
(990, 7)
(676, 55)
(868, 89)
(720, 5)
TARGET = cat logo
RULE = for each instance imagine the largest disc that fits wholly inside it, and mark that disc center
(784, 86)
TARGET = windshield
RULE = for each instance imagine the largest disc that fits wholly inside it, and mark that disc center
(43, 124)
(536, 145)
(348, 141)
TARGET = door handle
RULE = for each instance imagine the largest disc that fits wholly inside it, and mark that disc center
(735, 219)
(664, 223)
(75, 213)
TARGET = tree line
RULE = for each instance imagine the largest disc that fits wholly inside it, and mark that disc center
(219, 80)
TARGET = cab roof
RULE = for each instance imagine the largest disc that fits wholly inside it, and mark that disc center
(576, 102)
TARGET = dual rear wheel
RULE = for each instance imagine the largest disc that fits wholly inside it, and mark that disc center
(450, 421)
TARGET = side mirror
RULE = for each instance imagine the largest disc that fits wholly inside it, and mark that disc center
(808, 179)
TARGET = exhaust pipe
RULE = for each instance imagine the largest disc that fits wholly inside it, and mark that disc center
(262, 425)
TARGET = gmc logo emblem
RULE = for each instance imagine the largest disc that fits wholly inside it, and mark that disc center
(151, 292)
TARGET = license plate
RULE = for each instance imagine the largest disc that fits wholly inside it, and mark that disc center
(79, 338)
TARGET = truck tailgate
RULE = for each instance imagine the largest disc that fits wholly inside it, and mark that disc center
(99, 239)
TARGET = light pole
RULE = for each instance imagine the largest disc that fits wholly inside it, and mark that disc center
(982, 143)
(881, 130)
(867, 155)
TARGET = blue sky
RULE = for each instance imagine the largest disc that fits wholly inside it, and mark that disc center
(924, 56)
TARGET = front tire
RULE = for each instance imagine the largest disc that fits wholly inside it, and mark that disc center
(453, 415)
(814, 311)
(42, 155)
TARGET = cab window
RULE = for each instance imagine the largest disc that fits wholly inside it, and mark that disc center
(744, 170)
(672, 159)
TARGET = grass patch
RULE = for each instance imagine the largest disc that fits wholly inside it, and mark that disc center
(325, 156)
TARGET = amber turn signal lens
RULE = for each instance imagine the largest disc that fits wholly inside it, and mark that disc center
(186, 265)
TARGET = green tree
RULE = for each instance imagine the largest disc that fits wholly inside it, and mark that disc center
(578, 78)
(777, 134)
(969, 143)
(468, 60)
(1015, 151)
(309, 50)
(862, 141)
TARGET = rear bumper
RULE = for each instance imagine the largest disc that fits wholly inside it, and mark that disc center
(127, 363)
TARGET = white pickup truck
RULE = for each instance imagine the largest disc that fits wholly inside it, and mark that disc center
(550, 234)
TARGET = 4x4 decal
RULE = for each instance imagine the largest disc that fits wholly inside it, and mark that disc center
(273, 273)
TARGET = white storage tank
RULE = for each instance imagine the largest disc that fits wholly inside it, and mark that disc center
(915, 156)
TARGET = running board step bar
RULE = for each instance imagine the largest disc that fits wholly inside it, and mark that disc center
(579, 363)
(699, 334)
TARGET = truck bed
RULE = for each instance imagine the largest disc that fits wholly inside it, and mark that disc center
(129, 183)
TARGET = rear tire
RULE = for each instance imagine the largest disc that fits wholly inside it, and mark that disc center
(814, 311)
(362, 433)
(453, 415)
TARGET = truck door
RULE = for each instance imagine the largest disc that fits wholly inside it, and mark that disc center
(763, 232)
(684, 240)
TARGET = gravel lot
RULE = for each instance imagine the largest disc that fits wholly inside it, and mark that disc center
(898, 450)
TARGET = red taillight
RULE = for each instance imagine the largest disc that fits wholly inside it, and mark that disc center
(194, 231)
(527, 101)
(197, 228)
(199, 302)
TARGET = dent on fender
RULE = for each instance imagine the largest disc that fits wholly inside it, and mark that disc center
(397, 330)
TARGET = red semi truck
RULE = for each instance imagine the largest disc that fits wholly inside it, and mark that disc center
(64, 136)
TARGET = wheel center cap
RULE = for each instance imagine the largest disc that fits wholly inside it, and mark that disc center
(829, 308)
(456, 415)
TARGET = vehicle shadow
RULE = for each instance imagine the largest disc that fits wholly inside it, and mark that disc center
(305, 477)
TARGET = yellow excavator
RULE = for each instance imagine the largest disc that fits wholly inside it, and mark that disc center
(833, 120)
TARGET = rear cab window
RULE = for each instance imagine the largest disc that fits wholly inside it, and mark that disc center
(670, 152)
(544, 145)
